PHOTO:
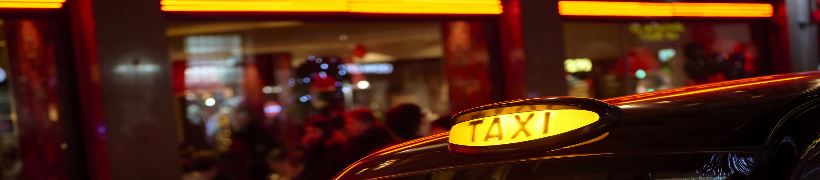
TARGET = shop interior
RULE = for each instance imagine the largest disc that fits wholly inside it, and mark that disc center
(288, 70)
(609, 59)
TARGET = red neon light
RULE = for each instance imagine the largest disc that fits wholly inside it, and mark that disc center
(654, 9)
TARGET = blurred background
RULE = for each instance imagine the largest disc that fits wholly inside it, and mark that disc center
(279, 89)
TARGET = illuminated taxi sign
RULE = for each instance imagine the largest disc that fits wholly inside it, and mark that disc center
(528, 124)
(519, 127)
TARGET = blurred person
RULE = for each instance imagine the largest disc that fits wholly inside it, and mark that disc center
(283, 166)
(11, 165)
(321, 152)
(203, 165)
(701, 66)
(317, 130)
(440, 125)
(248, 147)
(329, 104)
(741, 63)
(363, 134)
(404, 121)
(751, 57)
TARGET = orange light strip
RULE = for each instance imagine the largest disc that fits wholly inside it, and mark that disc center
(398, 147)
(718, 88)
(426, 6)
(593, 140)
(35, 1)
(31, 4)
(255, 5)
(354, 6)
(412, 143)
(674, 9)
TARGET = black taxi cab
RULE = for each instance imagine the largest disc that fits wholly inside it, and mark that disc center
(757, 128)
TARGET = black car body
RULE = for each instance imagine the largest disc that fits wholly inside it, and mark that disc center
(757, 128)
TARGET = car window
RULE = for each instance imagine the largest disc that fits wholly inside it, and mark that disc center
(713, 166)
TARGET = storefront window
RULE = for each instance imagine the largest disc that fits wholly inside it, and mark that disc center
(244, 89)
(607, 59)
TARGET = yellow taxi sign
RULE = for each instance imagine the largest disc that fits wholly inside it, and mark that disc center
(519, 127)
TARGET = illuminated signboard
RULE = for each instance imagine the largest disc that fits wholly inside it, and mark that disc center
(653, 32)
(375, 68)
(540, 124)
(578, 65)
(664, 9)
(351, 6)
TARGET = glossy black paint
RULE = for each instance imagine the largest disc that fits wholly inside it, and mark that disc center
(749, 115)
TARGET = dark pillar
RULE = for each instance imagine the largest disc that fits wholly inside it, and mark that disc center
(780, 57)
(512, 51)
(802, 35)
(543, 44)
(125, 89)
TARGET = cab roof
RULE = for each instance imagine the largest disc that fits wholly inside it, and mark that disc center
(730, 115)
